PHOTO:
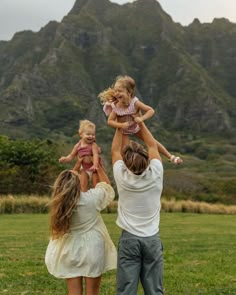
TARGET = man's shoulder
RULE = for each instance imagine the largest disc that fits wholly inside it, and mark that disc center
(155, 162)
(156, 165)
(118, 163)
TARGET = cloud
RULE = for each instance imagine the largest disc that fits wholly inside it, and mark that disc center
(18, 15)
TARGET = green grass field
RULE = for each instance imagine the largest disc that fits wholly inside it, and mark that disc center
(199, 255)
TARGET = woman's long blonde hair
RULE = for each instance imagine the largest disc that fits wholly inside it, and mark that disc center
(66, 192)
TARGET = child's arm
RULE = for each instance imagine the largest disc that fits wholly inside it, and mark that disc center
(149, 112)
(112, 121)
(69, 157)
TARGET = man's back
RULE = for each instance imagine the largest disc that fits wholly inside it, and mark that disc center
(139, 198)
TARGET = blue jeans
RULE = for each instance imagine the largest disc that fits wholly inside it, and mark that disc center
(139, 258)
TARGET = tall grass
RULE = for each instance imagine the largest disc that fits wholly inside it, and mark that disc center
(34, 204)
(23, 204)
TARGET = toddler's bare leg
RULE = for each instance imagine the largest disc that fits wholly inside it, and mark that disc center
(162, 150)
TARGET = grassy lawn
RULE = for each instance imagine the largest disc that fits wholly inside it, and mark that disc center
(199, 255)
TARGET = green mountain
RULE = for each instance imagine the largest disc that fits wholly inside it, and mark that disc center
(50, 80)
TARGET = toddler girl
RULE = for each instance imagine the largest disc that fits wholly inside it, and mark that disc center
(124, 110)
(87, 153)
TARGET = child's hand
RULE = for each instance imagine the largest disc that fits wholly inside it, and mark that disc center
(62, 159)
(126, 125)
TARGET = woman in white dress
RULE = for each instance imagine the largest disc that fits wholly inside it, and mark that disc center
(80, 246)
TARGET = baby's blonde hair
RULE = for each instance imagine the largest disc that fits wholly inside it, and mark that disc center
(85, 124)
(108, 95)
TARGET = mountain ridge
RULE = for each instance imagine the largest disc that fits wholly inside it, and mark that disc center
(54, 76)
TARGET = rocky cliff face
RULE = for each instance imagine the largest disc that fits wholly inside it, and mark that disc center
(50, 80)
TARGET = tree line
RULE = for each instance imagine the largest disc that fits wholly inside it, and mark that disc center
(27, 166)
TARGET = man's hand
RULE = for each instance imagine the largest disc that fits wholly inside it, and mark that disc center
(138, 120)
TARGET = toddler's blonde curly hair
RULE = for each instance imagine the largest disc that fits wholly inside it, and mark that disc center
(107, 95)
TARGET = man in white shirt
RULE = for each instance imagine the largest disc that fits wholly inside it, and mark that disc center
(139, 179)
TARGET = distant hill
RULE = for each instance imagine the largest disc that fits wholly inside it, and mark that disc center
(50, 80)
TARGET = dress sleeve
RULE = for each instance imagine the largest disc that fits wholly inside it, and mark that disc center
(103, 195)
(107, 109)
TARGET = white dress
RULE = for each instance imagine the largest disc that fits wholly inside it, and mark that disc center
(87, 250)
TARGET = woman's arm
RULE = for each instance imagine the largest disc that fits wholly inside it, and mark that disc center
(148, 112)
(105, 193)
(95, 156)
(102, 176)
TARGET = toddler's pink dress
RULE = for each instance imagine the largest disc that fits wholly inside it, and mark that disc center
(87, 151)
(126, 115)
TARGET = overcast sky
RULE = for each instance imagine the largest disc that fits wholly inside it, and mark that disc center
(19, 15)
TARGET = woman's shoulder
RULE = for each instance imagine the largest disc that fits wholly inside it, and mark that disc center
(86, 197)
(102, 192)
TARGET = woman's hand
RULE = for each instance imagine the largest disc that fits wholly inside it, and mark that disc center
(93, 168)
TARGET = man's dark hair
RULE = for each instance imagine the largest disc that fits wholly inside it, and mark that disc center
(135, 157)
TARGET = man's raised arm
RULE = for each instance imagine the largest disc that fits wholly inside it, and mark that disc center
(150, 142)
(116, 147)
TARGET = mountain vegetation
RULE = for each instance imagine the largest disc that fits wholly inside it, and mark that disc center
(50, 80)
